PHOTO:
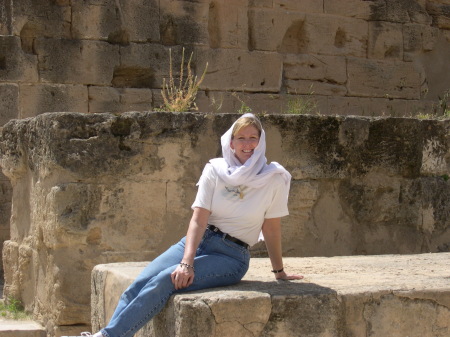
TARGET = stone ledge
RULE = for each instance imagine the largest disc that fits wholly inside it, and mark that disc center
(21, 328)
(383, 295)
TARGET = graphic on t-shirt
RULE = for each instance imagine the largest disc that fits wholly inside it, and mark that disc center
(236, 191)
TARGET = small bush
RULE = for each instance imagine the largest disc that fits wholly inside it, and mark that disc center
(12, 309)
(179, 95)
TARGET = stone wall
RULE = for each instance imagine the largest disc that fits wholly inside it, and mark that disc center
(349, 57)
(352, 57)
(99, 188)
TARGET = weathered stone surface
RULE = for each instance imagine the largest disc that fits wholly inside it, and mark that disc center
(5, 212)
(9, 102)
(305, 6)
(96, 19)
(184, 22)
(40, 18)
(401, 11)
(14, 328)
(312, 87)
(300, 33)
(236, 70)
(145, 65)
(108, 99)
(118, 22)
(385, 40)
(228, 24)
(440, 11)
(378, 295)
(83, 182)
(124, 44)
(268, 29)
(351, 8)
(94, 62)
(419, 38)
(373, 78)
(331, 69)
(15, 64)
(35, 99)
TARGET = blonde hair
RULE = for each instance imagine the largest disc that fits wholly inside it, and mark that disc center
(246, 121)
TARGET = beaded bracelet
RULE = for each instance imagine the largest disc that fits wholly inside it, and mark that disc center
(278, 271)
(187, 266)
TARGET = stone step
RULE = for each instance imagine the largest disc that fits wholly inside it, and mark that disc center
(18, 328)
(378, 296)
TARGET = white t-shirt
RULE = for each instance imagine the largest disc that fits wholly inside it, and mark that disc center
(240, 210)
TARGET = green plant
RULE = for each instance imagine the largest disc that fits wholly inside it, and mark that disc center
(302, 105)
(441, 111)
(12, 309)
(179, 95)
(244, 107)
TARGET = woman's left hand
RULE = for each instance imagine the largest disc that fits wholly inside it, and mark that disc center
(284, 276)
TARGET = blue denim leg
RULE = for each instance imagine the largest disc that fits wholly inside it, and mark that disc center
(218, 262)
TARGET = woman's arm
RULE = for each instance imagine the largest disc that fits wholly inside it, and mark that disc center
(183, 275)
(272, 236)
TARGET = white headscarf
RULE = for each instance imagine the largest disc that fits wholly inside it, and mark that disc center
(255, 172)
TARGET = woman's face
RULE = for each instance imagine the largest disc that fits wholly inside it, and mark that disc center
(244, 142)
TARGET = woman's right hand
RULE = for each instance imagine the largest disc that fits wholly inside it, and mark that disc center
(182, 277)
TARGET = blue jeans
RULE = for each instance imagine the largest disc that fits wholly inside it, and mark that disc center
(218, 262)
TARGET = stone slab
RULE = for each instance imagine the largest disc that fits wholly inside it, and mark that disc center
(15, 328)
(383, 295)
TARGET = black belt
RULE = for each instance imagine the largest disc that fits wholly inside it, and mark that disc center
(227, 236)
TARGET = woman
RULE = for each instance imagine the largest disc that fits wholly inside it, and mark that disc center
(238, 196)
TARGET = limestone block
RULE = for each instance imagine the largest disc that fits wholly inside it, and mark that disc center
(6, 22)
(184, 22)
(334, 35)
(107, 99)
(260, 3)
(417, 38)
(360, 186)
(21, 328)
(315, 67)
(435, 147)
(439, 10)
(299, 33)
(228, 24)
(76, 61)
(141, 20)
(116, 21)
(269, 28)
(382, 295)
(39, 18)
(399, 11)
(347, 106)
(399, 107)
(305, 6)
(9, 105)
(385, 40)
(15, 64)
(373, 78)
(94, 20)
(225, 102)
(35, 99)
(314, 87)
(230, 69)
(350, 8)
(145, 65)
(412, 313)
(215, 101)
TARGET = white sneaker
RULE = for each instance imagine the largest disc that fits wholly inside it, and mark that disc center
(88, 334)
